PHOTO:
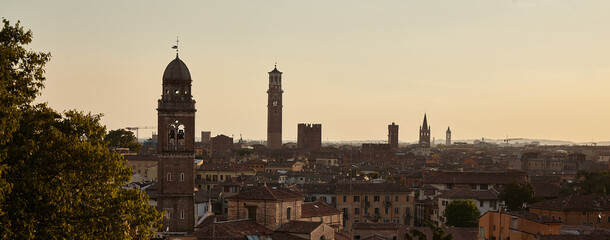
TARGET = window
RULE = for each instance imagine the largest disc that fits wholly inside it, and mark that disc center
(376, 198)
(482, 203)
(168, 215)
(356, 211)
(590, 213)
(169, 176)
(376, 210)
(396, 210)
(584, 213)
(221, 177)
(344, 198)
(356, 198)
(344, 211)
(483, 186)
(366, 210)
(387, 198)
(182, 177)
(396, 198)
(366, 198)
(387, 210)
(182, 215)
(407, 198)
(559, 218)
(288, 213)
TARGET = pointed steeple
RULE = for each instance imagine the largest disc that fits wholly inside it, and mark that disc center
(448, 130)
(425, 125)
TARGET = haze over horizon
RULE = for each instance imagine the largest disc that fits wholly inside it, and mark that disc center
(535, 69)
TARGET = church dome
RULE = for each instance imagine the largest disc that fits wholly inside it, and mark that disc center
(176, 71)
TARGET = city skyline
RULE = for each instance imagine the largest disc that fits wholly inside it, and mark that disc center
(526, 69)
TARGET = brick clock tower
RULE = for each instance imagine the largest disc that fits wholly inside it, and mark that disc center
(176, 141)
(274, 110)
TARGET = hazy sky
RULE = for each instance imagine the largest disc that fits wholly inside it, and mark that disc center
(531, 68)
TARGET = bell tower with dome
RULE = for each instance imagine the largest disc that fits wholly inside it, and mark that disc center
(274, 110)
(176, 155)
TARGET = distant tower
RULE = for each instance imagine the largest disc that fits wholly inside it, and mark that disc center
(424, 134)
(393, 135)
(448, 137)
(176, 149)
(309, 136)
(274, 109)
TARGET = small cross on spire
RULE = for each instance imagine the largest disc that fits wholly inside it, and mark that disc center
(176, 46)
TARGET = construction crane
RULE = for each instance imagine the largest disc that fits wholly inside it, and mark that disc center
(138, 128)
(507, 140)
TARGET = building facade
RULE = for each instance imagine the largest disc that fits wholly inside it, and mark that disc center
(274, 110)
(375, 202)
(176, 143)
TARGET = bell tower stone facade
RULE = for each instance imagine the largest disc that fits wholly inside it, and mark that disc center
(274, 110)
(424, 134)
(393, 136)
(176, 144)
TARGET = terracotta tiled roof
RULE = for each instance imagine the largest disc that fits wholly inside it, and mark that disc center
(374, 237)
(231, 230)
(224, 167)
(286, 236)
(374, 225)
(317, 209)
(474, 177)
(596, 236)
(575, 203)
(546, 190)
(467, 193)
(299, 227)
(267, 193)
(532, 216)
(319, 188)
(371, 187)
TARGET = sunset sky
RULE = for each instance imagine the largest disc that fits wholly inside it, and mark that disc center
(526, 69)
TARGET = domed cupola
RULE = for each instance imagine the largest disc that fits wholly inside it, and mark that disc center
(176, 72)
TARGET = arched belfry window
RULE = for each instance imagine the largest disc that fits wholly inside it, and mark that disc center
(180, 135)
(171, 134)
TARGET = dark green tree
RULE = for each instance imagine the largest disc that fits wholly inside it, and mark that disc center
(21, 78)
(438, 233)
(122, 138)
(588, 183)
(516, 194)
(61, 180)
(415, 233)
(461, 213)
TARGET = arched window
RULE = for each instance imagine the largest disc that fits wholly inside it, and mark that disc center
(180, 134)
(182, 177)
(171, 135)
(288, 210)
(169, 176)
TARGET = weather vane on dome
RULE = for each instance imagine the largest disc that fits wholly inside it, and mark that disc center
(176, 46)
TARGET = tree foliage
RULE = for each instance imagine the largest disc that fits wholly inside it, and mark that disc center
(438, 233)
(588, 183)
(122, 138)
(61, 181)
(461, 213)
(516, 194)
